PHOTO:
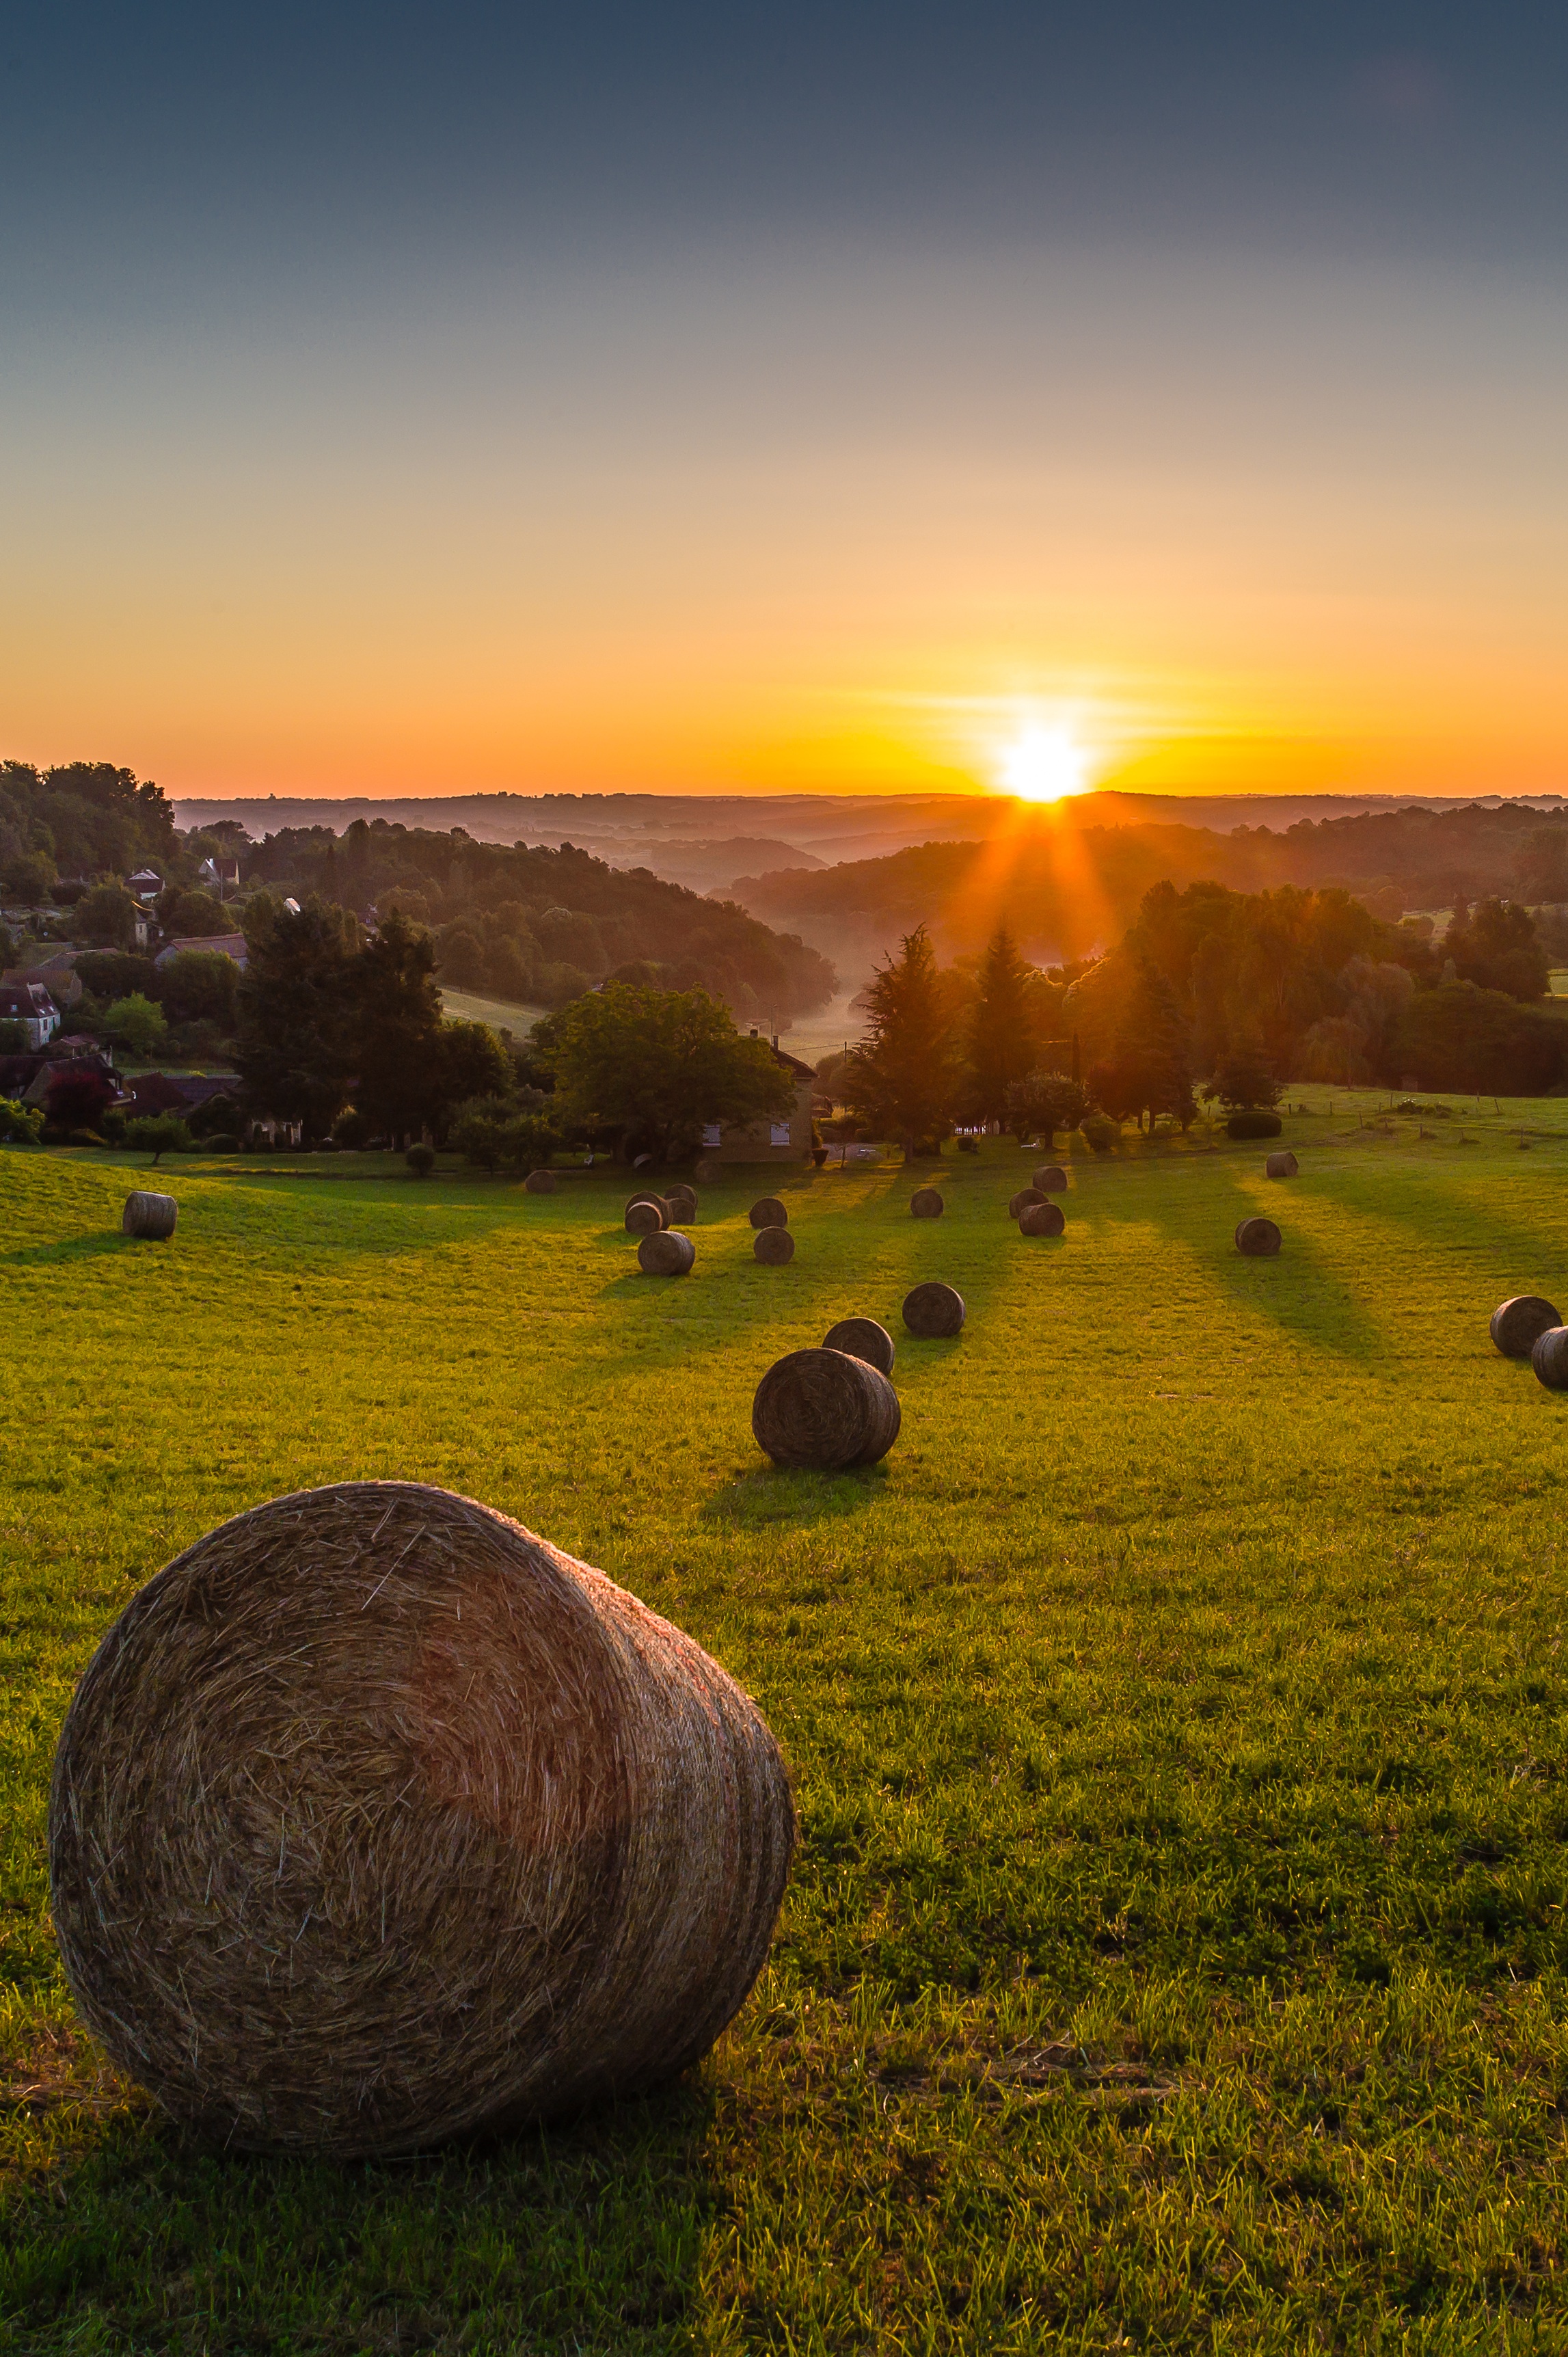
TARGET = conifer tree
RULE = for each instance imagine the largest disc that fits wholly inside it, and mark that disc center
(1001, 1047)
(904, 1078)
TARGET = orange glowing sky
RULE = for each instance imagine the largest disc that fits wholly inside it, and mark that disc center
(322, 477)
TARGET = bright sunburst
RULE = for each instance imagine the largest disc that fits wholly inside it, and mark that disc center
(1043, 765)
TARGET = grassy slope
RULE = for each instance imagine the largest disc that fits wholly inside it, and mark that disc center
(1175, 1958)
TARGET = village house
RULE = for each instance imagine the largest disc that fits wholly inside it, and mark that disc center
(228, 945)
(144, 885)
(787, 1140)
(30, 1005)
(62, 982)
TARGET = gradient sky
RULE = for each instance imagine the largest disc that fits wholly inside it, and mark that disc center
(416, 398)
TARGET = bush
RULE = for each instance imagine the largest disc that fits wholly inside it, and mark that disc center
(20, 1125)
(1253, 1122)
(421, 1160)
(160, 1133)
(1101, 1132)
(221, 1142)
(139, 1024)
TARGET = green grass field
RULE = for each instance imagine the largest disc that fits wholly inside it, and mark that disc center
(1174, 1956)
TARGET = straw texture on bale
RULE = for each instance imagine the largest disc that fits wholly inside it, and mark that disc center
(1042, 1220)
(773, 1247)
(666, 1253)
(376, 1820)
(1023, 1200)
(1517, 1325)
(1051, 1179)
(541, 1182)
(682, 1202)
(1548, 1357)
(642, 1216)
(1280, 1166)
(152, 1216)
(933, 1311)
(863, 1338)
(926, 1203)
(824, 1411)
(768, 1212)
(1257, 1238)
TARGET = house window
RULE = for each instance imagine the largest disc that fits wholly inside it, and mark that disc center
(713, 1133)
(780, 1133)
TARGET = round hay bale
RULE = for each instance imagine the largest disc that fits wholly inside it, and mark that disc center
(768, 1212)
(643, 1215)
(152, 1216)
(682, 1202)
(1023, 1200)
(863, 1338)
(666, 1253)
(1280, 1166)
(1258, 1238)
(1051, 1179)
(1042, 1220)
(708, 1174)
(773, 1247)
(925, 1204)
(824, 1410)
(1518, 1325)
(933, 1311)
(377, 1820)
(1548, 1357)
(539, 1182)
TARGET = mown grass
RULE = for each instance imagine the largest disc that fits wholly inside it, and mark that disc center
(1175, 1957)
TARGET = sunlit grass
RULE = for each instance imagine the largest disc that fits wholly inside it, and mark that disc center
(1174, 1955)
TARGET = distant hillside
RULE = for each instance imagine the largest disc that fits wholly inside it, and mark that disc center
(1067, 888)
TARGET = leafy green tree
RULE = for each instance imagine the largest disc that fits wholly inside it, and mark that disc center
(137, 1024)
(20, 1125)
(1243, 1077)
(293, 1044)
(1498, 948)
(115, 973)
(1001, 1047)
(159, 1134)
(1042, 1102)
(1149, 1073)
(421, 1159)
(493, 1132)
(28, 876)
(660, 1063)
(105, 918)
(200, 986)
(904, 1078)
(14, 1039)
(187, 910)
(399, 1051)
(474, 1062)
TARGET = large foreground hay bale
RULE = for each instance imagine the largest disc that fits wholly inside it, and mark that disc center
(926, 1203)
(768, 1212)
(773, 1247)
(376, 1821)
(863, 1338)
(1042, 1220)
(933, 1311)
(1051, 1179)
(1280, 1166)
(153, 1216)
(1258, 1238)
(824, 1410)
(1024, 1200)
(1548, 1357)
(666, 1253)
(1518, 1325)
(643, 1215)
(541, 1182)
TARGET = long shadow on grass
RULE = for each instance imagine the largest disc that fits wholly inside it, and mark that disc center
(95, 1245)
(771, 1494)
(1299, 1290)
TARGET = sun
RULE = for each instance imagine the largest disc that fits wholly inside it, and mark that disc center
(1043, 765)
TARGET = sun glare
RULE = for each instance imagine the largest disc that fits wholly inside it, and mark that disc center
(1043, 765)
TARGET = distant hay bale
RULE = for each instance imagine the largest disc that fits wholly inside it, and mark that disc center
(1051, 1179)
(708, 1174)
(1548, 1357)
(1258, 1238)
(682, 1202)
(541, 1182)
(666, 1253)
(377, 1820)
(150, 1216)
(768, 1212)
(1042, 1220)
(863, 1338)
(1024, 1200)
(1280, 1166)
(773, 1247)
(824, 1411)
(926, 1203)
(645, 1213)
(1518, 1325)
(933, 1311)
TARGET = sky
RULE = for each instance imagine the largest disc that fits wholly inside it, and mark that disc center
(864, 397)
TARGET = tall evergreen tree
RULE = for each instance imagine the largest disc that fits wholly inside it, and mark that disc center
(1001, 1049)
(399, 1051)
(903, 1076)
(293, 1045)
(1150, 1072)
